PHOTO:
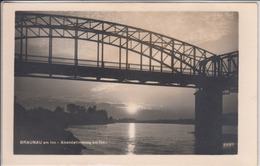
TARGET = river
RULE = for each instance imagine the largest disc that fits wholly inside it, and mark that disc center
(139, 138)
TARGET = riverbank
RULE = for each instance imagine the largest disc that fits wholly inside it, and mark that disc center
(42, 131)
(38, 140)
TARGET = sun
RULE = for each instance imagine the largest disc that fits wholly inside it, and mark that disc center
(132, 108)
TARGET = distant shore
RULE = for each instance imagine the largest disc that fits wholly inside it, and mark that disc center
(228, 119)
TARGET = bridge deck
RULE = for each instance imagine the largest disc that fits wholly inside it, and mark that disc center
(65, 71)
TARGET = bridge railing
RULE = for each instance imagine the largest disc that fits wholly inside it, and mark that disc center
(96, 64)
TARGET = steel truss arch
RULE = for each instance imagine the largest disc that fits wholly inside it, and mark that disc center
(185, 56)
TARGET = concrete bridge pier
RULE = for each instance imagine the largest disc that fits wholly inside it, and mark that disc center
(208, 121)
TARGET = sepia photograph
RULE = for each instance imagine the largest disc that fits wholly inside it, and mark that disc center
(126, 83)
(129, 83)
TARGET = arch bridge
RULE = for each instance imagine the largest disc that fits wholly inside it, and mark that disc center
(162, 60)
(158, 60)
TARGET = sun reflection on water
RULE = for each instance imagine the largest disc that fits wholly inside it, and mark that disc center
(131, 143)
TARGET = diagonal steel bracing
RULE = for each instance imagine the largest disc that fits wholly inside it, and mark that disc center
(173, 56)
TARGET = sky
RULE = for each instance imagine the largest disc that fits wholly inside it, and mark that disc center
(216, 32)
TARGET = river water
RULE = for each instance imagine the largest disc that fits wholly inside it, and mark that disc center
(139, 138)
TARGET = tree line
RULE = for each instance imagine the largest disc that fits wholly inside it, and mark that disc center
(73, 115)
